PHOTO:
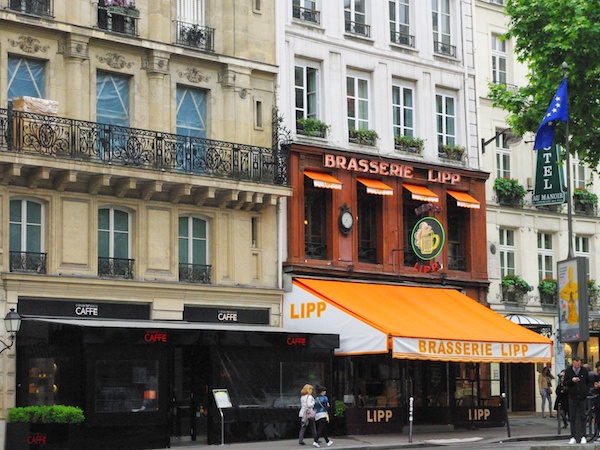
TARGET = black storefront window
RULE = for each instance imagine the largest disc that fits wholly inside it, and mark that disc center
(369, 225)
(457, 226)
(315, 220)
(409, 218)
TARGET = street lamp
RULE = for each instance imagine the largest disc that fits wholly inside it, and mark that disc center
(12, 322)
(511, 139)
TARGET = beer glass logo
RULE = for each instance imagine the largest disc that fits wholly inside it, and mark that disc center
(428, 238)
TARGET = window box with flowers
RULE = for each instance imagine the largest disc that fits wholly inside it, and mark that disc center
(363, 137)
(454, 152)
(548, 288)
(409, 144)
(121, 8)
(312, 127)
(509, 192)
(515, 289)
(593, 293)
(584, 201)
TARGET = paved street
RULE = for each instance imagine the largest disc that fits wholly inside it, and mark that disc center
(527, 432)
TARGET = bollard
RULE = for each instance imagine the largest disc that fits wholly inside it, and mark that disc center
(506, 413)
(410, 419)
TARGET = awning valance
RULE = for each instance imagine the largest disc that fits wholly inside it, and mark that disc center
(376, 186)
(323, 180)
(527, 321)
(433, 324)
(421, 193)
(464, 200)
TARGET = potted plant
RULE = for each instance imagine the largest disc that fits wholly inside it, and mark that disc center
(548, 288)
(455, 152)
(121, 7)
(509, 192)
(515, 289)
(362, 136)
(409, 144)
(312, 127)
(593, 291)
(585, 201)
(50, 427)
(339, 419)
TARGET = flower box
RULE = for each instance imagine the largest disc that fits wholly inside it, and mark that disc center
(123, 11)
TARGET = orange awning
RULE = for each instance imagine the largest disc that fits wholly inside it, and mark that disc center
(464, 200)
(376, 187)
(421, 193)
(323, 180)
(421, 323)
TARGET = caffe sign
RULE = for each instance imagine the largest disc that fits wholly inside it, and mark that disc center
(428, 238)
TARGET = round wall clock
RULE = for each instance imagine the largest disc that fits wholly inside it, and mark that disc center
(346, 220)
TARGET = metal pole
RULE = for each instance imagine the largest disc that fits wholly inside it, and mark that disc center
(222, 426)
(506, 413)
(558, 418)
(410, 418)
(568, 161)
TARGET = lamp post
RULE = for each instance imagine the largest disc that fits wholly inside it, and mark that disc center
(12, 322)
(511, 139)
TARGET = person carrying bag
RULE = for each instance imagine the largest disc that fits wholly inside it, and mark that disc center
(322, 416)
(307, 413)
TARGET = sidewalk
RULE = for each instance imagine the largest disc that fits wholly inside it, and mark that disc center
(522, 427)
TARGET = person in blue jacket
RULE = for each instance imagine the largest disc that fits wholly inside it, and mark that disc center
(322, 416)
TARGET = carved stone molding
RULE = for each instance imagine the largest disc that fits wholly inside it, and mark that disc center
(74, 47)
(115, 61)
(193, 75)
(29, 44)
(156, 62)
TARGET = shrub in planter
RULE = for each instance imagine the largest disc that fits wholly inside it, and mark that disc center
(548, 288)
(514, 288)
(364, 137)
(455, 152)
(409, 144)
(509, 191)
(584, 200)
(312, 127)
(46, 414)
(593, 291)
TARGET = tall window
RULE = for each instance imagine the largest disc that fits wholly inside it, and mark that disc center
(315, 220)
(191, 112)
(498, 60)
(357, 91)
(112, 99)
(114, 243)
(403, 111)
(305, 10)
(502, 157)
(306, 82)
(193, 250)
(545, 256)
(26, 242)
(446, 119)
(191, 11)
(26, 77)
(356, 17)
(507, 252)
(400, 22)
(582, 248)
(441, 27)
(369, 207)
(577, 173)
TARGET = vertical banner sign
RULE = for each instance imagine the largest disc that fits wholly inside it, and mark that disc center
(550, 188)
(573, 300)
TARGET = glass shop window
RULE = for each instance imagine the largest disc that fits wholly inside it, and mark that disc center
(126, 386)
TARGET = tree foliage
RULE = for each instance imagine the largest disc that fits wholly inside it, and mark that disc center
(546, 34)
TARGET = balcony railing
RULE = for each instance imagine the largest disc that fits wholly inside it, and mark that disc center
(358, 28)
(60, 137)
(43, 8)
(116, 268)
(444, 49)
(308, 15)
(195, 273)
(119, 19)
(402, 38)
(27, 262)
(196, 36)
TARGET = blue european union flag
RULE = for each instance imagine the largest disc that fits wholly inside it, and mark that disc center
(558, 111)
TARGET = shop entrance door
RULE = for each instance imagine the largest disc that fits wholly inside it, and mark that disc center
(189, 393)
(523, 388)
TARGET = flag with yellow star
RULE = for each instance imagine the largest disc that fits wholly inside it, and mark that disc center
(558, 111)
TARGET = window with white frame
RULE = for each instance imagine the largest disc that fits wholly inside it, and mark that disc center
(355, 17)
(441, 18)
(26, 240)
(577, 173)
(114, 244)
(498, 59)
(582, 248)
(502, 156)
(403, 111)
(191, 11)
(400, 22)
(507, 251)
(357, 93)
(305, 10)
(545, 256)
(193, 250)
(306, 86)
(446, 119)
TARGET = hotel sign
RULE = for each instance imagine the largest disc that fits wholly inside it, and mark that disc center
(550, 188)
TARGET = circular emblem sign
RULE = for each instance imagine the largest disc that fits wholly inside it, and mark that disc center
(428, 238)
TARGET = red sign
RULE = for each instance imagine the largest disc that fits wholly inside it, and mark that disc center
(39, 439)
(155, 336)
(296, 341)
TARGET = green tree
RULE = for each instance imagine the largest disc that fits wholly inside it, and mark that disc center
(548, 33)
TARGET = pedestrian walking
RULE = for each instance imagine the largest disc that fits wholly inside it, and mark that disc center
(577, 382)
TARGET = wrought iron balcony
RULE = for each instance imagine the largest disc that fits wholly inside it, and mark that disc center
(306, 14)
(116, 267)
(119, 19)
(195, 273)
(196, 36)
(315, 250)
(402, 38)
(27, 262)
(358, 28)
(44, 8)
(367, 253)
(444, 49)
(79, 140)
